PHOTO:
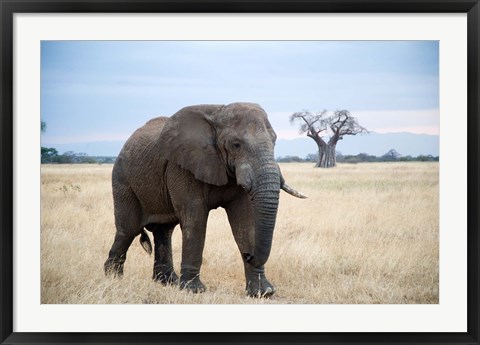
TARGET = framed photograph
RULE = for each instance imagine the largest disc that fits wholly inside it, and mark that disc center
(186, 132)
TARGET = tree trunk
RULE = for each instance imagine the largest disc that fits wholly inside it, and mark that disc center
(326, 156)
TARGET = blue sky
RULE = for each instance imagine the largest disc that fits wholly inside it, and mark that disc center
(104, 90)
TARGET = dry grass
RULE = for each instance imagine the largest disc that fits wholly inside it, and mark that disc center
(368, 233)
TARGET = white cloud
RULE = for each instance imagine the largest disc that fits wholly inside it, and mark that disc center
(388, 121)
(288, 134)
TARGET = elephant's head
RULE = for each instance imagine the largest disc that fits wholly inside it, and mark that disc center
(235, 141)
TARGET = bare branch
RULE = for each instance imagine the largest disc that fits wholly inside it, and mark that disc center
(345, 124)
(319, 125)
(311, 124)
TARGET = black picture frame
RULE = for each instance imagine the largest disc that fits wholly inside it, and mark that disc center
(10, 7)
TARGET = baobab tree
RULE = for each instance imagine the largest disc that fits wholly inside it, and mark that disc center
(326, 130)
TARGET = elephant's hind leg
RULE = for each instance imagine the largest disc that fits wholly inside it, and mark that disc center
(163, 271)
(128, 224)
(118, 254)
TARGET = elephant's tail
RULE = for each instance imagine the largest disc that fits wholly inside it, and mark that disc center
(145, 242)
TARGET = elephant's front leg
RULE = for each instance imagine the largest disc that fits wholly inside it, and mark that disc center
(240, 216)
(186, 195)
(193, 222)
(193, 240)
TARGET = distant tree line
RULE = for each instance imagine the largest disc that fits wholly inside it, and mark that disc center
(50, 155)
(390, 156)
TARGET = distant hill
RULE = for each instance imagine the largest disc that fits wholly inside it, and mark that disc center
(96, 148)
(375, 144)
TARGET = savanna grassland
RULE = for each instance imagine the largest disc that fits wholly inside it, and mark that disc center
(368, 233)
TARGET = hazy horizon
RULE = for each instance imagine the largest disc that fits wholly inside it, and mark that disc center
(95, 91)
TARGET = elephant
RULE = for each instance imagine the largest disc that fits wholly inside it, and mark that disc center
(175, 170)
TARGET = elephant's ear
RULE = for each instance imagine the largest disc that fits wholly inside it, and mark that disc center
(189, 140)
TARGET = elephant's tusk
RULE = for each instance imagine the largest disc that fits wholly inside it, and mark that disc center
(293, 192)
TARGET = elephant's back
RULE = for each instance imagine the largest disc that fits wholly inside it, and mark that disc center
(138, 152)
(144, 137)
(156, 123)
(149, 132)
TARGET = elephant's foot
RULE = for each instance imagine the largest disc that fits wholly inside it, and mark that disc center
(260, 288)
(257, 284)
(113, 268)
(192, 285)
(165, 277)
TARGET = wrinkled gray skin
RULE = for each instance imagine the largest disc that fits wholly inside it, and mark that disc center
(175, 170)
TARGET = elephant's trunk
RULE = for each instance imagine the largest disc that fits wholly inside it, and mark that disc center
(264, 196)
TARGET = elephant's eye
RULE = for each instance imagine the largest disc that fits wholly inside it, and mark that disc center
(236, 146)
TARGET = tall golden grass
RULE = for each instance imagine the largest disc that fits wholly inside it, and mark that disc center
(368, 233)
